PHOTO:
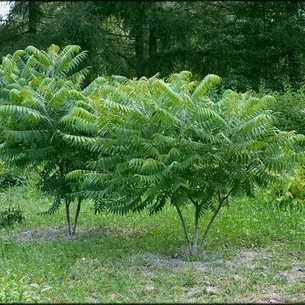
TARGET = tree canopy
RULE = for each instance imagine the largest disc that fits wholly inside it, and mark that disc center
(246, 43)
(134, 144)
(169, 141)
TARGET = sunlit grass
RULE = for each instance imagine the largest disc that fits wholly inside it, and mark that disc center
(137, 258)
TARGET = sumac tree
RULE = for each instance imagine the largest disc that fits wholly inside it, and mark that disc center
(167, 142)
(38, 90)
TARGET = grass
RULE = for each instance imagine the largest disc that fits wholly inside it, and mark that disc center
(252, 254)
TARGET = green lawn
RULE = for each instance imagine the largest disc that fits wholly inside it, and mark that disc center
(252, 254)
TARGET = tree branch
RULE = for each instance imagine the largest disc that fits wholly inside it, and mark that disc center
(184, 229)
(76, 215)
(125, 36)
(221, 201)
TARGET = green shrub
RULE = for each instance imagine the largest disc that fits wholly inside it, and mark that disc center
(11, 179)
(287, 193)
(15, 289)
(166, 141)
(38, 89)
(10, 217)
(287, 109)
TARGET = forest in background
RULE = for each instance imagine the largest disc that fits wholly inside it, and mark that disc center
(249, 44)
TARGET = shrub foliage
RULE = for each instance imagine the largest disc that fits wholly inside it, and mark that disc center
(166, 142)
(10, 217)
(38, 90)
(139, 144)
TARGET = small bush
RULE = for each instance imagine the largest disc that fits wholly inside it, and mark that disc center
(289, 193)
(287, 110)
(10, 217)
(15, 289)
(10, 179)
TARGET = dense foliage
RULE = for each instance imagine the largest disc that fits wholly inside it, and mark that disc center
(10, 178)
(165, 142)
(244, 42)
(134, 144)
(287, 193)
(17, 289)
(38, 89)
(10, 217)
(287, 109)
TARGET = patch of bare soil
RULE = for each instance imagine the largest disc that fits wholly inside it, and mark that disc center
(53, 233)
(274, 295)
(295, 274)
(269, 298)
(292, 276)
(248, 255)
(153, 261)
(211, 287)
(43, 234)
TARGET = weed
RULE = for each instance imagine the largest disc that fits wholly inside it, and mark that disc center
(17, 289)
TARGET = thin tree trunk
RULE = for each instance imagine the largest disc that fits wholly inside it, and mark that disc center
(152, 44)
(195, 241)
(152, 50)
(79, 202)
(33, 17)
(139, 39)
(184, 229)
(210, 224)
(67, 203)
(220, 203)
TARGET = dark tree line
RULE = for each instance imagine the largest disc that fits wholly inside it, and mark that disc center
(248, 43)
